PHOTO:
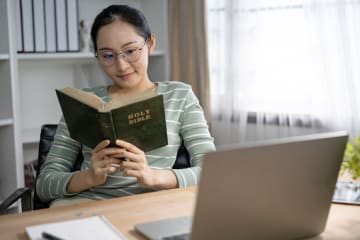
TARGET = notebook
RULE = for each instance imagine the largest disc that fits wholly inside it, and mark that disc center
(95, 227)
(276, 189)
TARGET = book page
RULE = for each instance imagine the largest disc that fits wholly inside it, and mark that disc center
(96, 227)
(122, 101)
(96, 102)
(84, 97)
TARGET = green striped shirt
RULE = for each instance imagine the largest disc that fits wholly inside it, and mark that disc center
(184, 121)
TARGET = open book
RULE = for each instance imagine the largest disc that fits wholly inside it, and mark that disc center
(95, 227)
(139, 120)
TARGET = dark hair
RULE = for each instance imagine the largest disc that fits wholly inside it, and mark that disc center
(124, 13)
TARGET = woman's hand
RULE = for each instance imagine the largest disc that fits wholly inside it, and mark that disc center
(136, 165)
(103, 162)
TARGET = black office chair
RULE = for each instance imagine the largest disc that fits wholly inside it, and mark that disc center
(30, 200)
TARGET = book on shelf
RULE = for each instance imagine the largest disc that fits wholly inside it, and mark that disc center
(27, 25)
(94, 227)
(72, 25)
(50, 26)
(39, 25)
(19, 26)
(47, 26)
(139, 119)
(61, 26)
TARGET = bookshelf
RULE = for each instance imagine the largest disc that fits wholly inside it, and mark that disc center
(11, 158)
(28, 82)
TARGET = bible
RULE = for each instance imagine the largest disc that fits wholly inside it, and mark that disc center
(139, 120)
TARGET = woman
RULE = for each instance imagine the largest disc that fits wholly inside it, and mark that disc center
(123, 42)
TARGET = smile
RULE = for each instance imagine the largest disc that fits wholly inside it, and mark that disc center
(126, 75)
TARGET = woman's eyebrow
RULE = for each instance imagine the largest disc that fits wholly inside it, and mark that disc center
(123, 46)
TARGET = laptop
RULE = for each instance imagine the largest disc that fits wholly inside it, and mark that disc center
(276, 189)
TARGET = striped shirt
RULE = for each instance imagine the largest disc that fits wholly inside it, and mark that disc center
(184, 121)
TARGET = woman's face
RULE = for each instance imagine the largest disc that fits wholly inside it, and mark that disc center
(121, 37)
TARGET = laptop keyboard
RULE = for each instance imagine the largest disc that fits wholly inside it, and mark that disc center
(185, 236)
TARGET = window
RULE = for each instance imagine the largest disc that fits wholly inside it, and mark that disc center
(289, 57)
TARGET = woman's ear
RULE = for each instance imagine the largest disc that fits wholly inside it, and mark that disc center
(152, 43)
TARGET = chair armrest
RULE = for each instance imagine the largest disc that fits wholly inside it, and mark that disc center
(24, 194)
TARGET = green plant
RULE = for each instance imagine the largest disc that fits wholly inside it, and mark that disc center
(351, 160)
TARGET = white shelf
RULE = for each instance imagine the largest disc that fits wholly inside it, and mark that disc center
(49, 56)
(30, 135)
(6, 122)
(65, 55)
(4, 56)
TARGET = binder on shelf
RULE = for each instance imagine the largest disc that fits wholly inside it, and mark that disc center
(73, 25)
(50, 27)
(19, 27)
(61, 31)
(28, 25)
(39, 25)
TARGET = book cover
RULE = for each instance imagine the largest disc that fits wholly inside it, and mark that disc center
(139, 120)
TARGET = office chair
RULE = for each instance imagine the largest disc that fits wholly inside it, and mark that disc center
(30, 200)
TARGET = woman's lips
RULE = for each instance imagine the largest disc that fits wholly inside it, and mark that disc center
(126, 75)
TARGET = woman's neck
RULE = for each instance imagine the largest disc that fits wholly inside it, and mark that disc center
(115, 90)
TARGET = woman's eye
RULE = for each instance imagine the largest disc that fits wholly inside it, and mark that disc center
(108, 56)
(130, 51)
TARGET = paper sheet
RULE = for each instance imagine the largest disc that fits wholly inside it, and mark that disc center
(96, 227)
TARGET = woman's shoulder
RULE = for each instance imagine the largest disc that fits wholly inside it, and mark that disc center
(174, 86)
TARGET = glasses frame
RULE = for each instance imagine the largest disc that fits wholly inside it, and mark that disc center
(122, 54)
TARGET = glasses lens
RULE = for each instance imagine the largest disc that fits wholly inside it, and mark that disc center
(131, 54)
(106, 58)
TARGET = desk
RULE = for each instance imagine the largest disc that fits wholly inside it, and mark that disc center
(125, 212)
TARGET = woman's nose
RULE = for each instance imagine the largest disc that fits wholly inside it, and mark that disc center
(120, 62)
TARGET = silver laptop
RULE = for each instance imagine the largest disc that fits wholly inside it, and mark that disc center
(277, 189)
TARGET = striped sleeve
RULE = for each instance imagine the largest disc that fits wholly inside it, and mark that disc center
(56, 172)
(197, 139)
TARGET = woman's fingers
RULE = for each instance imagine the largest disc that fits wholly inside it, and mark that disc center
(104, 161)
(131, 165)
(109, 152)
(108, 161)
(128, 146)
(132, 173)
(101, 145)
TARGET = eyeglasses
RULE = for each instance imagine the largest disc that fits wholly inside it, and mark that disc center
(107, 58)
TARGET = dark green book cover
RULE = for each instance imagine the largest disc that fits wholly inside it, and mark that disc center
(141, 123)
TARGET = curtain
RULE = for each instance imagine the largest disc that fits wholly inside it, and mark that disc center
(285, 62)
(188, 48)
(335, 36)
